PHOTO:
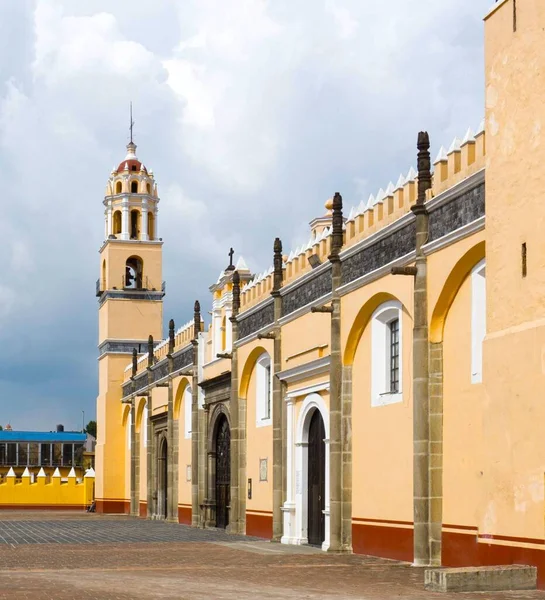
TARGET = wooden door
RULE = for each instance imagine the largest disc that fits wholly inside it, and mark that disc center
(316, 480)
(223, 473)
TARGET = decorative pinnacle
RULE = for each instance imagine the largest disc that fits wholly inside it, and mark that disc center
(236, 293)
(337, 225)
(197, 318)
(150, 351)
(171, 336)
(277, 282)
(424, 166)
(134, 361)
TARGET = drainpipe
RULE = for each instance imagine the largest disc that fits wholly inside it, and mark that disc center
(195, 519)
(238, 463)
(149, 450)
(134, 495)
(171, 495)
(278, 413)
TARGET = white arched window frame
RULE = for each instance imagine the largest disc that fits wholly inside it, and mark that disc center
(144, 425)
(478, 320)
(188, 399)
(263, 397)
(129, 429)
(387, 354)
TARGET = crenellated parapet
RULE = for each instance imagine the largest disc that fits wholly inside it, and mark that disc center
(462, 159)
(182, 339)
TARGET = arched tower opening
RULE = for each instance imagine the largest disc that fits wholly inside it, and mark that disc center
(134, 187)
(133, 273)
(118, 187)
(135, 224)
(151, 226)
(117, 222)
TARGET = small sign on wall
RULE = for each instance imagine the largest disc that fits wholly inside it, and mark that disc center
(263, 468)
(188, 473)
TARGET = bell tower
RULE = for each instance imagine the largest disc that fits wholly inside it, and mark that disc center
(130, 293)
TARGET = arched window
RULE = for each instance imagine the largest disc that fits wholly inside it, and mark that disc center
(386, 354)
(478, 320)
(144, 426)
(263, 386)
(148, 188)
(188, 399)
(134, 187)
(118, 187)
(103, 282)
(151, 223)
(133, 273)
(117, 222)
(135, 218)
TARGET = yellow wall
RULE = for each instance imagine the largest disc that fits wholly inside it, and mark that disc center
(45, 493)
(116, 253)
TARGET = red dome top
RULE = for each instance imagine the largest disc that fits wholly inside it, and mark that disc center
(133, 164)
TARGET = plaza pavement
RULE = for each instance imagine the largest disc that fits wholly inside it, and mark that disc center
(62, 556)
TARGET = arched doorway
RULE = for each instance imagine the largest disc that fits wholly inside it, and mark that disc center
(162, 487)
(316, 479)
(223, 472)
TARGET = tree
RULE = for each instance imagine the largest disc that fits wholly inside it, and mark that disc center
(1, 428)
(91, 428)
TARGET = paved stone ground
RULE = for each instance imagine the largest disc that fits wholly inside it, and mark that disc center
(124, 558)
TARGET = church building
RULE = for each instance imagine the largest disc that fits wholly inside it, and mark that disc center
(376, 390)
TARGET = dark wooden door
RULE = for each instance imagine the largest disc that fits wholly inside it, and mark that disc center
(223, 473)
(164, 478)
(316, 480)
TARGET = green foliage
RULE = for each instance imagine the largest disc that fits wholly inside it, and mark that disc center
(91, 428)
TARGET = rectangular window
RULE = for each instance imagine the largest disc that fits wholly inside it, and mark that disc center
(394, 356)
(268, 392)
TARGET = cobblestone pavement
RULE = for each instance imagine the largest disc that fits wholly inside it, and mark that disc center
(148, 560)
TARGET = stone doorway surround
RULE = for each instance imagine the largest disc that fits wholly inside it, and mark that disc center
(295, 507)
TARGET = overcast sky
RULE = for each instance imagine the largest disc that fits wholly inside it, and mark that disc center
(251, 114)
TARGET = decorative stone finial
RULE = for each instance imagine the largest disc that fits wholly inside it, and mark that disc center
(337, 225)
(424, 166)
(150, 351)
(277, 282)
(171, 336)
(134, 361)
(236, 293)
(197, 319)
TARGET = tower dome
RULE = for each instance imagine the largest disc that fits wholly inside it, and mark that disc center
(131, 201)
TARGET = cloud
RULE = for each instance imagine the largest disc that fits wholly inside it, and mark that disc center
(251, 113)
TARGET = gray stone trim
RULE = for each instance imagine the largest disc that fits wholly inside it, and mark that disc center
(454, 236)
(122, 347)
(128, 295)
(458, 212)
(308, 292)
(256, 320)
(314, 367)
(382, 252)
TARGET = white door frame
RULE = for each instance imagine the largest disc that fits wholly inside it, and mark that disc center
(296, 506)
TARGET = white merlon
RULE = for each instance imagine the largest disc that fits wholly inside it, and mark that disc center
(290, 257)
(389, 190)
(241, 264)
(72, 474)
(411, 175)
(10, 473)
(441, 156)
(379, 197)
(351, 214)
(41, 473)
(469, 137)
(90, 473)
(400, 183)
(56, 473)
(481, 127)
(455, 146)
(26, 473)
(361, 207)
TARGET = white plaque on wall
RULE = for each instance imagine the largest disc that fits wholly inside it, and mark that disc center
(188, 473)
(263, 465)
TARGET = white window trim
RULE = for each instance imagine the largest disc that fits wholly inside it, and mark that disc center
(478, 320)
(144, 425)
(188, 401)
(380, 354)
(263, 362)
